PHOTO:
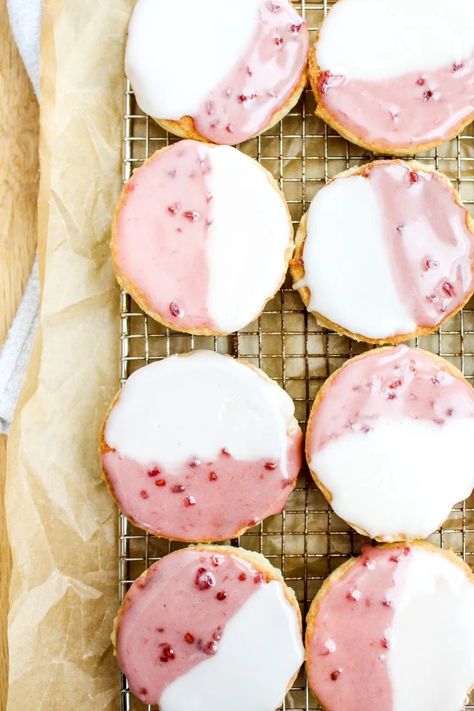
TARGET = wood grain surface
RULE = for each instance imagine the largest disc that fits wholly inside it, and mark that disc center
(18, 193)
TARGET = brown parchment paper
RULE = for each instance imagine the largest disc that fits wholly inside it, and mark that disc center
(61, 520)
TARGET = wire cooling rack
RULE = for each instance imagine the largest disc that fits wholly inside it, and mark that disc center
(307, 541)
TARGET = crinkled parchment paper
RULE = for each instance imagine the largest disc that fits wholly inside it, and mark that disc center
(61, 520)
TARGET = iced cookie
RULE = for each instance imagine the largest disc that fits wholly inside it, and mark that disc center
(385, 252)
(217, 71)
(210, 628)
(395, 77)
(200, 447)
(387, 442)
(393, 630)
(202, 238)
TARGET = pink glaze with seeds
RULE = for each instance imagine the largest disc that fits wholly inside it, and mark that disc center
(208, 501)
(161, 234)
(395, 383)
(347, 648)
(416, 108)
(174, 617)
(430, 243)
(264, 79)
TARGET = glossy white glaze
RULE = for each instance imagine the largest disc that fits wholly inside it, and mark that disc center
(258, 655)
(347, 263)
(396, 258)
(401, 477)
(192, 406)
(163, 33)
(217, 269)
(404, 642)
(382, 39)
(431, 659)
(248, 239)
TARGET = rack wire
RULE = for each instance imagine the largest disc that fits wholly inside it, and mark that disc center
(308, 541)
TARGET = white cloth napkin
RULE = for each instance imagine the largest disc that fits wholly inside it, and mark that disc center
(25, 19)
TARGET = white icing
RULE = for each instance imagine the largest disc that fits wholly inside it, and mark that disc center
(402, 477)
(347, 262)
(192, 406)
(259, 653)
(247, 240)
(431, 659)
(382, 39)
(178, 52)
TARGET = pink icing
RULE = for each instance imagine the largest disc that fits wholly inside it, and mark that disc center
(412, 109)
(204, 500)
(348, 648)
(161, 234)
(174, 618)
(243, 105)
(431, 247)
(393, 383)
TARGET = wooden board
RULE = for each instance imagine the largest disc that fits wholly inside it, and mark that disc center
(4, 574)
(18, 192)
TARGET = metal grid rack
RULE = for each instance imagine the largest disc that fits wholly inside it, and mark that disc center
(307, 541)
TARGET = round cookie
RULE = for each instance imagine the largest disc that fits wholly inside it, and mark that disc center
(386, 442)
(210, 628)
(407, 89)
(208, 70)
(200, 447)
(393, 630)
(202, 238)
(396, 262)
